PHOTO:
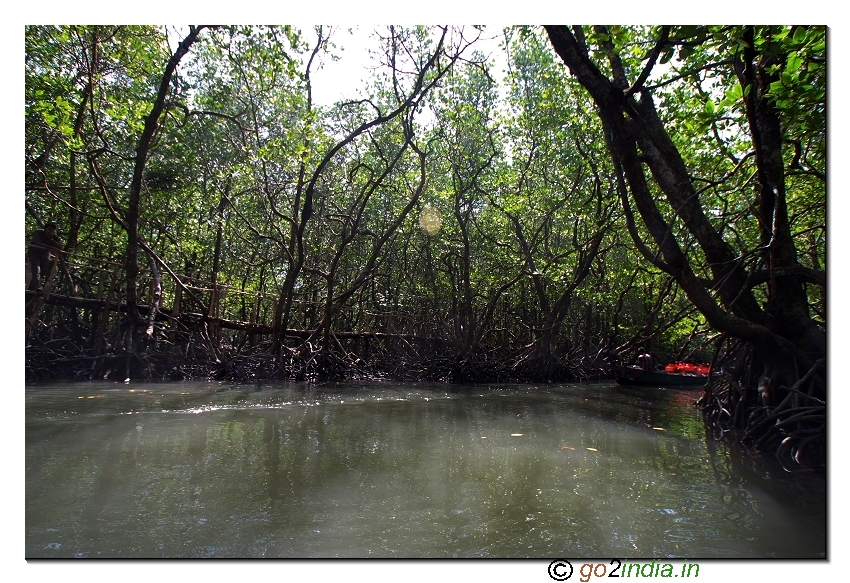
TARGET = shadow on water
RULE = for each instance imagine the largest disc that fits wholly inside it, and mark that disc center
(399, 470)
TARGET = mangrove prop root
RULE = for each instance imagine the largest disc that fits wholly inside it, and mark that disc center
(787, 419)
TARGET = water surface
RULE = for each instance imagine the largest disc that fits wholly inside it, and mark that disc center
(208, 469)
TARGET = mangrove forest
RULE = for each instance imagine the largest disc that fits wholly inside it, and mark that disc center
(523, 204)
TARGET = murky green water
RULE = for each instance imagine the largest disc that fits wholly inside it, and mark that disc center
(388, 470)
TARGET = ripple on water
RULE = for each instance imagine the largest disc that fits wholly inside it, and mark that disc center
(196, 470)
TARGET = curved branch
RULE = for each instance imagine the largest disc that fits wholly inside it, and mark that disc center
(807, 274)
(650, 61)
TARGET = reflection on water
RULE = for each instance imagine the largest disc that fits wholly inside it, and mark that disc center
(387, 470)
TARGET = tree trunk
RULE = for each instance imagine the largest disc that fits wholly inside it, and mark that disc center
(131, 219)
(637, 137)
(787, 347)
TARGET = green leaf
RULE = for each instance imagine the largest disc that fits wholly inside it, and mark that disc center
(735, 92)
(782, 34)
(793, 63)
(688, 31)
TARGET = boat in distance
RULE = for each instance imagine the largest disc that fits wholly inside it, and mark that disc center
(634, 375)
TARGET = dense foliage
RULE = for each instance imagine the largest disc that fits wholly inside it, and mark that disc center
(455, 222)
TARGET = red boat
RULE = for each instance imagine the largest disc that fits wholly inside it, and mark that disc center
(674, 374)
